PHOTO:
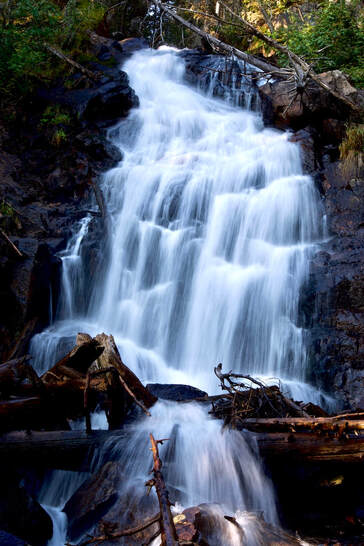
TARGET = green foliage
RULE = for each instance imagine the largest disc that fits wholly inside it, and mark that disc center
(59, 137)
(6, 209)
(26, 26)
(334, 39)
(55, 115)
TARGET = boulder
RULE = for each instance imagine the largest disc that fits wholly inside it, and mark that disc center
(93, 499)
(23, 516)
(178, 393)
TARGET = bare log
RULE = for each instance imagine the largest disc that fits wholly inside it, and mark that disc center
(72, 450)
(111, 357)
(168, 530)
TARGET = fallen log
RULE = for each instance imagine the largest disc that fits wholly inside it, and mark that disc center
(319, 425)
(18, 378)
(71, 450)
(111, 357)
(167, 528)
(79, 358)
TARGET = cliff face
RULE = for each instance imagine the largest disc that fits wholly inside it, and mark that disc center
(45, 187)
(335, 292)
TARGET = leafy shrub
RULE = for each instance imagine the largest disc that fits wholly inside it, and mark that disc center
(333, 39)
(55, 115)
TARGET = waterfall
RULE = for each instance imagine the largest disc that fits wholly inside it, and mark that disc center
(212, 224)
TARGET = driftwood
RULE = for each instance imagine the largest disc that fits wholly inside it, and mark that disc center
(167, 528)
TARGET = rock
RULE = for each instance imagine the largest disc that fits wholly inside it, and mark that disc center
(130, 45)
(93, 499)
(10, 540)
(314, 106)
(177, 393)
(332, 300)
(306, 139)
(23, 516)
(105, 101)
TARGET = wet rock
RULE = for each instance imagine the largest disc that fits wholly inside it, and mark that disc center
(94, 498)
(22, 516)
(130, 45)
(306, 139)
(177, 393)
(314, 106)
(106, 101)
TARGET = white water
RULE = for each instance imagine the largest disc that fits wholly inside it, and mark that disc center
(212, 224)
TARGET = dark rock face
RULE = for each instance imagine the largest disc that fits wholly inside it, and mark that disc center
(175, 392)
(22, 516)
(10, 540)
(333, 301)
(46, 188)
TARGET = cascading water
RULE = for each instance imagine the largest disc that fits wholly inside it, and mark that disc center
(211, 227)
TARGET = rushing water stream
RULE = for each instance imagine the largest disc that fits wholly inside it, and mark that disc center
(212, 224)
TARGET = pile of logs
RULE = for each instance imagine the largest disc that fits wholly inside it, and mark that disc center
(91, 375)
